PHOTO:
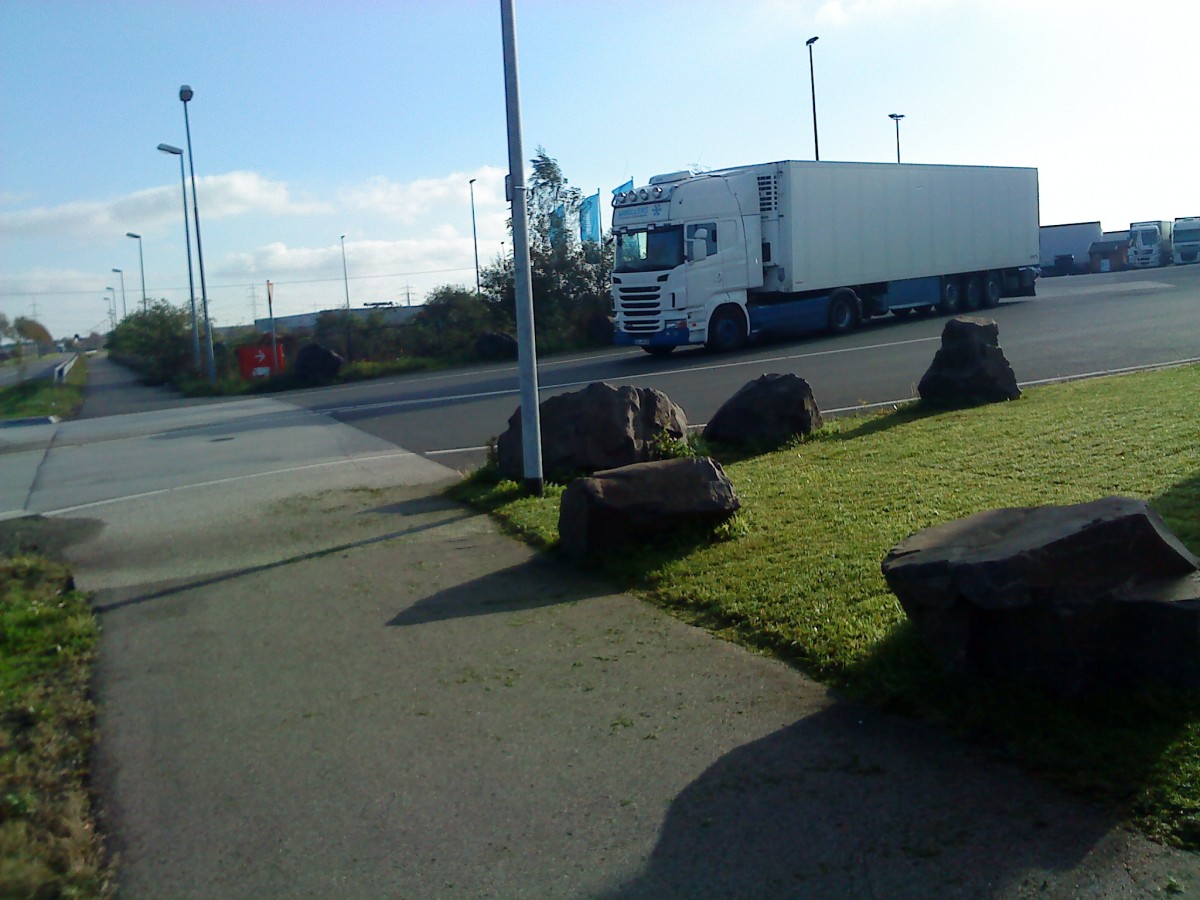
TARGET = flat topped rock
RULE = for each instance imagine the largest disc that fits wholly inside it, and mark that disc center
(1072, 597)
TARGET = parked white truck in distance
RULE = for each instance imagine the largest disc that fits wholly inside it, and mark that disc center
(1150, 244)
(720, 257)
(1186, 238)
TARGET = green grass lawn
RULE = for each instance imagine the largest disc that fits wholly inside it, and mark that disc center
(798, 573)
(48, 842)
(42, 397)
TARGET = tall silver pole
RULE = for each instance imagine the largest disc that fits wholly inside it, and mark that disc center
(474, 235)
(531, 424)
(142, 263)
(813, 83)
(185, 94)
(124, 308)
(346, 283)
(896, 117)
(187, 240)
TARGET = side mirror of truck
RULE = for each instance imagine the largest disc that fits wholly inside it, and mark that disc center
(698, 245)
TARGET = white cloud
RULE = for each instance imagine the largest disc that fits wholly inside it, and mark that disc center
(408, 201)
(231, 194)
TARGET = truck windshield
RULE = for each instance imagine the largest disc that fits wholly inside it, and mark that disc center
(1187, 235)
(1147, 237)
(650, 251)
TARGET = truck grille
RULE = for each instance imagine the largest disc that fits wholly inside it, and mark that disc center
(640, 308)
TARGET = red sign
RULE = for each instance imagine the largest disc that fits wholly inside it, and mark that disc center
(255, 362)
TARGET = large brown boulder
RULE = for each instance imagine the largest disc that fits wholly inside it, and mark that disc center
(768, 410)
(637, 502)
(969, 368)
(1074, 598)
(599, 427)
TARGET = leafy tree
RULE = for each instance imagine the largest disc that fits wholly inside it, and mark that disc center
(5, 326)
(32, 330)
(570, 280)
(156, 342)
(450, 322)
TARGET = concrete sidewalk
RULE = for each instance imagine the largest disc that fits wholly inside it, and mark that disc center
(344, 685)
(424, 708)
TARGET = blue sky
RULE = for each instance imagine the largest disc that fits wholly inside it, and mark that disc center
(316, 119)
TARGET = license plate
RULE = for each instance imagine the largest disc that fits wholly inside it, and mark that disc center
(641, 343)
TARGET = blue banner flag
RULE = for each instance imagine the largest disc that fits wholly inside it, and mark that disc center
(627, 186)
(589, 218)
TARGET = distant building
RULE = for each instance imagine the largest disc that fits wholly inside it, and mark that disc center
(392, 315)
(1111, 253)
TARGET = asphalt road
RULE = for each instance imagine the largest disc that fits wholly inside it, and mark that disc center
(42, 367)
(1075, 326)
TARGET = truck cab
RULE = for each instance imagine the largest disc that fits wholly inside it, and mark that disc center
(682, 268)
(1150, 244)
(1186, 239)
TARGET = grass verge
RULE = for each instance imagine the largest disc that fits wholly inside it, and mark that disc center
(48, 842)
(799, 575)
(44, 397)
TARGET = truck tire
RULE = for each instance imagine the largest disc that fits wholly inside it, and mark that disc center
(843, 312)
(949, 304)
(726, 330)
(993, 289)
(972, 296)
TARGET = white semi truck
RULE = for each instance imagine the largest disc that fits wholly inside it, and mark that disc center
(1150, 244)
(1185, 236)
(720, 257)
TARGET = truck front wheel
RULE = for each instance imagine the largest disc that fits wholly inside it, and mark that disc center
(949, 303)
(726, 330)
(843, 313)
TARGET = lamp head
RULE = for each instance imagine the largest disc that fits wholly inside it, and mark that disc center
(185, 93)
(896, 116)
(132, 235)
(118, 271)
(810, 42)
(167, 148)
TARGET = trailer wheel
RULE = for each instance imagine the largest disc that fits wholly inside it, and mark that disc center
(993, 289)
(972, 297)
(726, 330)
(843, 312)
(949, 303)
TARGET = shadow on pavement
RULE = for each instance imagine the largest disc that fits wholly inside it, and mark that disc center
(835, 806)
(533, 584)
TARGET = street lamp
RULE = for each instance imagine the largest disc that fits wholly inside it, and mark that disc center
(346, 284)
(896, 117)
(142, 261)
(474, 235)
(812, 82)
(124, 308)
(185, 94)
(187, 238)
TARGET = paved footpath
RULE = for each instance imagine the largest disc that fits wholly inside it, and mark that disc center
(364, 690)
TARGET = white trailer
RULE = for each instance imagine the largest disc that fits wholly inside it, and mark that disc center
(1185, 236)
(720, 257)
(1063, 249)
(1150, 244)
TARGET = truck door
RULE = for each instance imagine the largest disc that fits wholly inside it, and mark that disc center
(705, 276)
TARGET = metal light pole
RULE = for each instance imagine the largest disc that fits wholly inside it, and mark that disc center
(124, 308)
(812, 82)
(896, 117)
(531, 424)
(114, 298)
(111, 310)
(346, 284)
(185, 94)
(474, 235)
(187, 239)
(142, 262)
